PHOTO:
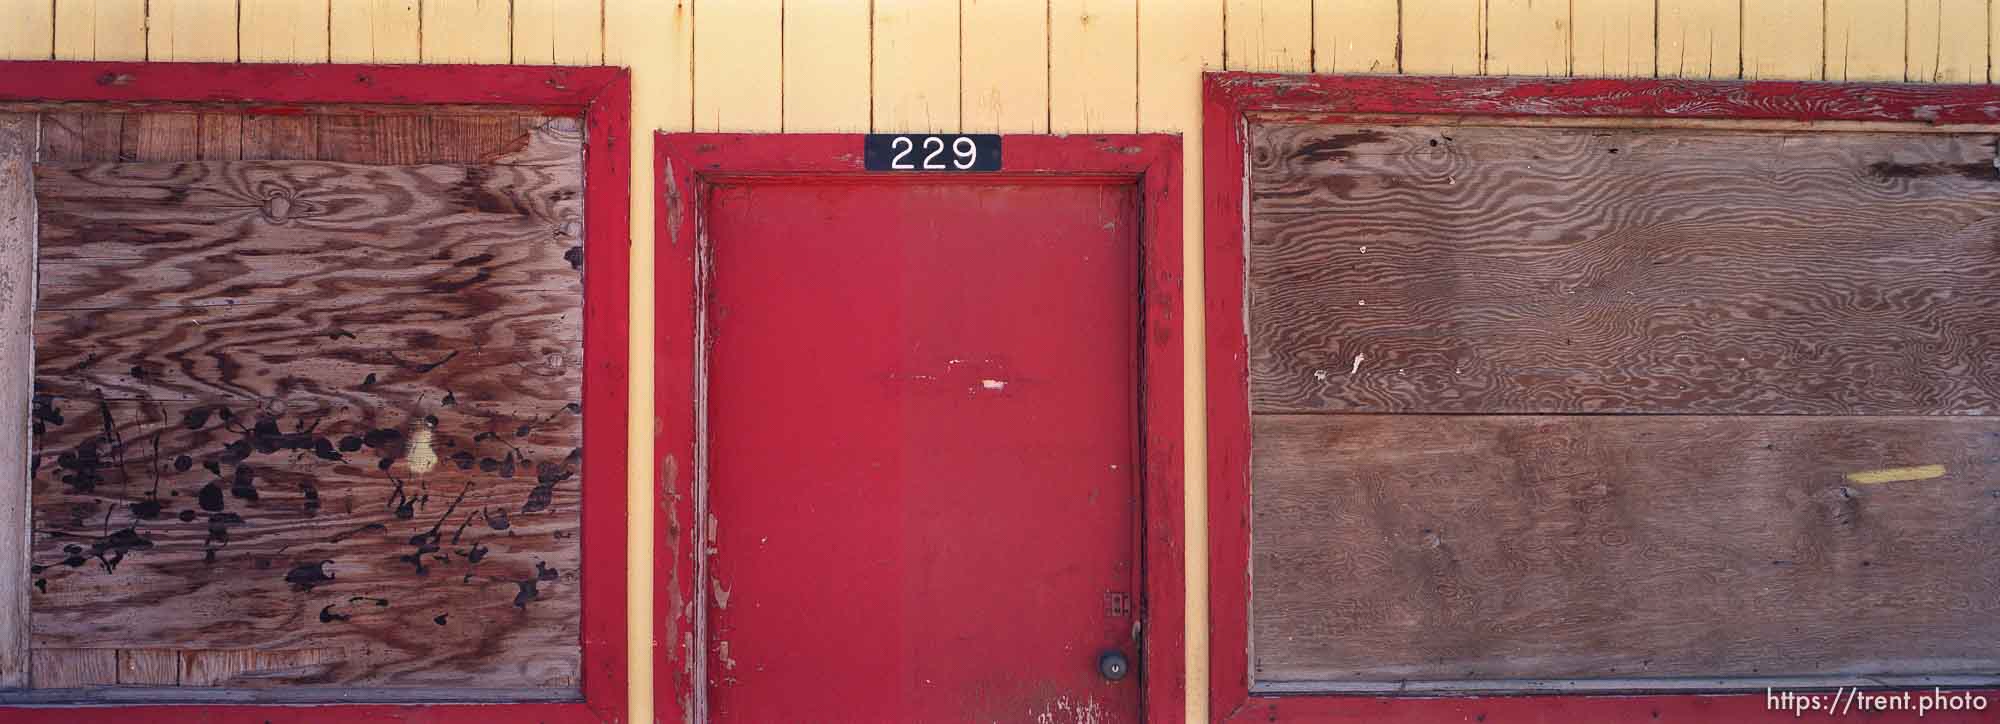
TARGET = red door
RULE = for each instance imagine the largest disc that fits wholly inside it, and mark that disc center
(923, 444)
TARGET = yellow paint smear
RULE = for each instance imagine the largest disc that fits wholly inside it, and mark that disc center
(1897, 475)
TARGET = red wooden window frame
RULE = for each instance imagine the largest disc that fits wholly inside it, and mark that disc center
(689, 165)
(1229, 101)
(601, 97)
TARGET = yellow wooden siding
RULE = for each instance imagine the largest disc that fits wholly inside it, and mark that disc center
(31, 33)
(374, 31)
(1527, 37)
(1275, 35)
(1948, 41)
(738, 79)
(1443, 37)
(465, 31)
(1700, 38)
(1009, 65)
(1612, 38)
(284, 31)
(1353, 36)
(1866, 40)
(1004, 66)
(100, 29)
(1093, 62)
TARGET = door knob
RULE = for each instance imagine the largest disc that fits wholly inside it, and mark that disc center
(1113, 665)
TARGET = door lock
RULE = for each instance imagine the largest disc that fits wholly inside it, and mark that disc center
(1113, 665)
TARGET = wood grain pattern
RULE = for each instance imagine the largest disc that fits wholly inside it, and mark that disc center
(1393, 547)
(17, 369)
(149, 667)
(74, 668)
(1468, 269)
(316, 422)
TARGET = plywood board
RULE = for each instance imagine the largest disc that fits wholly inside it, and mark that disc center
(316, 421)
(18, 133)
(1451, 548)
(1485, 269)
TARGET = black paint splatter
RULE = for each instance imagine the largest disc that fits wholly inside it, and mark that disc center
(326, 615)
(529, 591)
(304, 576)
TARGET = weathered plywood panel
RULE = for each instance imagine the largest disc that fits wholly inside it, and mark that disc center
(74, 668)
(316, 422)
(18, 134)
(1403, 547)
(1469, 269)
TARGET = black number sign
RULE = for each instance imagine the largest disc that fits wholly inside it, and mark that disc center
(931, 152)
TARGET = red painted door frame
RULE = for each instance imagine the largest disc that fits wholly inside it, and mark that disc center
(1230, 100)
(601, 97)
(691, 164)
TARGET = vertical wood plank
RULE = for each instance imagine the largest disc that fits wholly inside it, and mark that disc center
(826, 67)
(1268, 35)
(1527, 37)
(194, 30)
(1006, 66)
(1948, 41)
(466, 31)
(285, 138)
(284, 31)
(1612, 38)
(916, 66)
(29, 33)
(374, 31)
(221, 136)
(1866, 40)
(18, 141)
(100, 30)
(149, 667)
(1443, 37)
(1783, 39)
(656, 40)
(1700, 39)
(1093, 66)
(558, 32)
(73, 668)
(1177, 40)
(738, 70)
(1355, 36)
(81, 136)
(160, 137)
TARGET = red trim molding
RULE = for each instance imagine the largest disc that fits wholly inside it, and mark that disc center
(691, 164)
(1229, 100)
(602, 98)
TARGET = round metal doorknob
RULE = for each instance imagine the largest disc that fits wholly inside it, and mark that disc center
(1113, 665)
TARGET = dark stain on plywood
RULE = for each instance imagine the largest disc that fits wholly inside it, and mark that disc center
(1551, 270)
(256, 381)
(1426, 547)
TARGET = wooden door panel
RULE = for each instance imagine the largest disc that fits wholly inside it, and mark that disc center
(923, 448)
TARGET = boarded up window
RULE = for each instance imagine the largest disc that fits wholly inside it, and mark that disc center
(1622, 408)
(306, 405)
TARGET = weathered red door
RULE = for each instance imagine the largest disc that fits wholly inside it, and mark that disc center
(923, 437)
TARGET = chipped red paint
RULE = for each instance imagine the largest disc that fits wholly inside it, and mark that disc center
(602, 97)
(1227, 100)
(689, 165)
